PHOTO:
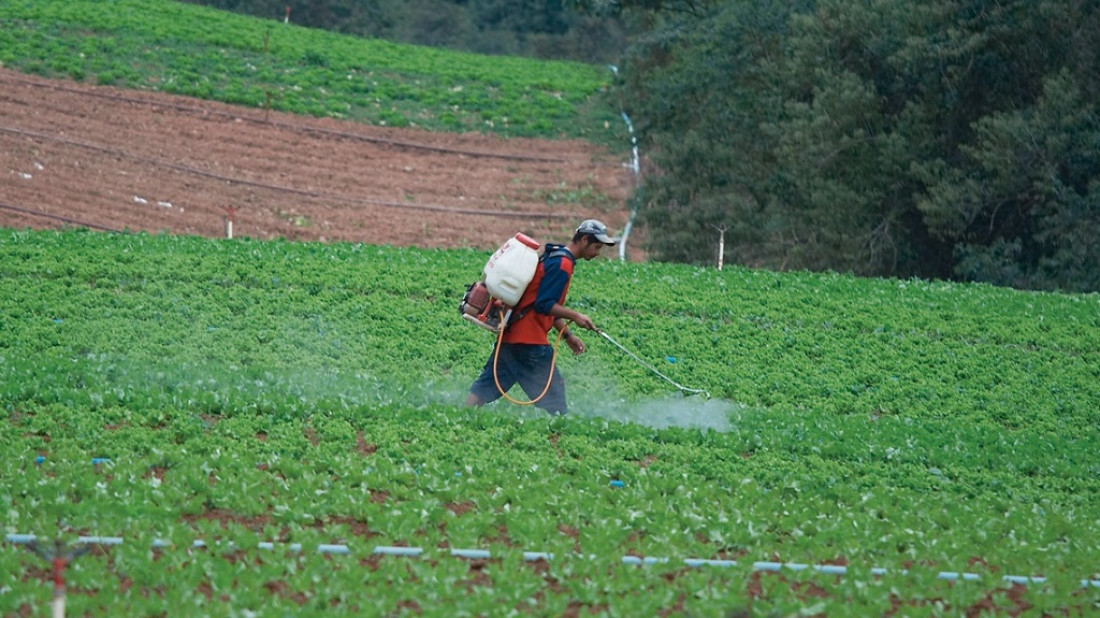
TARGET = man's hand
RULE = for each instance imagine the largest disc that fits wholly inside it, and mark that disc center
(568, 315)
(584, 321)
(574, 342)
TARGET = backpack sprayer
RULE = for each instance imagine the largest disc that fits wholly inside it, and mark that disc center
(488, 303)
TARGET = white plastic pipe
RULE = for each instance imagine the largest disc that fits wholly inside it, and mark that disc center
(636, 167)
(482, 554)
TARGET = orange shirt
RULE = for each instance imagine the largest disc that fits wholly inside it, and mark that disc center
(549, 286)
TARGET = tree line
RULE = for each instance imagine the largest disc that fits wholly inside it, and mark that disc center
(946, 139)
(949, 139)
(548, 29)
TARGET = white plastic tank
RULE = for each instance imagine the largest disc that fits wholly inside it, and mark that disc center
(511, 268)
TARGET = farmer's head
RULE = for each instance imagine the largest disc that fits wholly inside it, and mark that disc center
(591, 236)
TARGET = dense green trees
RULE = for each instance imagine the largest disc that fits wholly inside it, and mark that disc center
(949, 138)
(539, 28)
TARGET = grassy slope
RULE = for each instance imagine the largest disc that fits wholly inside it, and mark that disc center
(196, 51)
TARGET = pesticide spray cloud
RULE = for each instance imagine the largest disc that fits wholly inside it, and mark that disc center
(301, 392)
(324, 379)
(596, 396)
(669, 411)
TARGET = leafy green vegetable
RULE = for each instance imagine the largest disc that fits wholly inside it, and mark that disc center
(247, 392)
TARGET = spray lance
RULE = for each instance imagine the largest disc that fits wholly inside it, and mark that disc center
(683, 389)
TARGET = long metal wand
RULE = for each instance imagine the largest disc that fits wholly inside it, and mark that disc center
(652, 368)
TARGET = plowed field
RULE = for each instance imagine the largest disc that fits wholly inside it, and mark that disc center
(75, 154)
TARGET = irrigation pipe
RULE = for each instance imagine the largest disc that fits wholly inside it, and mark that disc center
(46, 215)
(283, 188)
(694, 391)
(202, 111)
(533, 556)
(635, 166)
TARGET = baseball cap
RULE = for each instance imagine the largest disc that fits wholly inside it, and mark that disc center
(597, 229)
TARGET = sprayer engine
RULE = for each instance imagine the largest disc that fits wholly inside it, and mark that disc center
(488, 303)
(480, 308)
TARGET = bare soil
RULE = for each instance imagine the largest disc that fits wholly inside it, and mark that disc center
(75, 154)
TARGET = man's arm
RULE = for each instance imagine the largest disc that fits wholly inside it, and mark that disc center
(551, 289)
(574, 342)
(562, 313)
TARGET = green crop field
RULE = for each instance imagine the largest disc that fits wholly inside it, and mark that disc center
(262, 426)
(196, 51)
(247, 428)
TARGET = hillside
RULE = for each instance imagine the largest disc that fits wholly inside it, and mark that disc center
(104, 157)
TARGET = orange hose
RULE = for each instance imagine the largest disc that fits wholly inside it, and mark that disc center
(549, 378)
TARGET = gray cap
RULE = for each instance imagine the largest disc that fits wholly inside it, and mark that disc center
(597, 229)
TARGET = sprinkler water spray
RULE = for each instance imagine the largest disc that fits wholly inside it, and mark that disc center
(694, 391)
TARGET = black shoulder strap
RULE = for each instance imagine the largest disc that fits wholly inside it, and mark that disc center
(522, 311)
(559, 252)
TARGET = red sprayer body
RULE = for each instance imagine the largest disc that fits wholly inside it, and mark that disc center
(489, 302)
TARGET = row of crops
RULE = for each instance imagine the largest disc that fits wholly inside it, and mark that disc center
(201, 52)
(299, 395)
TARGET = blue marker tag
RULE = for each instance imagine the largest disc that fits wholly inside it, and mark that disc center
(616, 483)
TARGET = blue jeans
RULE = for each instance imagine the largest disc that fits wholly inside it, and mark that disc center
(530, 366)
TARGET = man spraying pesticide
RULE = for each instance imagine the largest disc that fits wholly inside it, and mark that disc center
(523, 352)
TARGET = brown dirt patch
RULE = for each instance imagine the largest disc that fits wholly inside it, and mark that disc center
(227, 517)
(78, 154)
(362, 447)
(460, 508)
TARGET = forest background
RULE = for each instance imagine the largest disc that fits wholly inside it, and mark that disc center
(948, 139)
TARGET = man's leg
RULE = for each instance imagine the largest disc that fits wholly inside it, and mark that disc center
(537, 362)
(484, 389)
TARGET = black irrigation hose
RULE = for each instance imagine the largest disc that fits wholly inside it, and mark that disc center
(46, 215)
(283, 125)
(311, 194)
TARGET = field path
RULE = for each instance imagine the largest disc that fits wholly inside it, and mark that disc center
(109, 158)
